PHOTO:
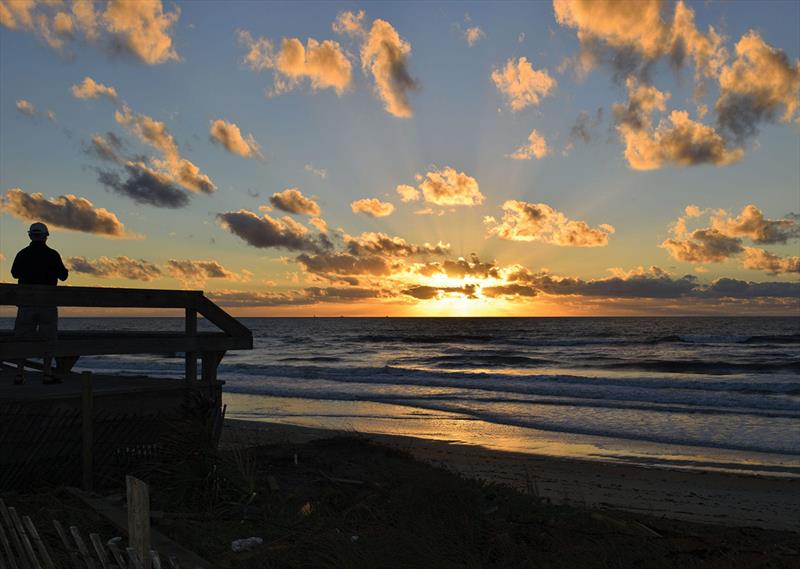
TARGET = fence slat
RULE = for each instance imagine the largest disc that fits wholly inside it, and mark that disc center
(70, 549)
(15, 539)
(87, 557)
(100, 549)
(26, 543)
(37, 540)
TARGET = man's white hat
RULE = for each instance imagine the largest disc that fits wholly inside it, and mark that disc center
(38, 230)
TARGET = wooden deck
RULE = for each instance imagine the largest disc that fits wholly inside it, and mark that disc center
(59, 432)
(72, 388)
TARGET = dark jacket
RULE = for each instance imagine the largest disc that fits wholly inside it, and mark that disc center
(38, 264)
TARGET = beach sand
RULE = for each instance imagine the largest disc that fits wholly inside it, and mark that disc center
(762, 501)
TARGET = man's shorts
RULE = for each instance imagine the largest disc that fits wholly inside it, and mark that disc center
(29, 318)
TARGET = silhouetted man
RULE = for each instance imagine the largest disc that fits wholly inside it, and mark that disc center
(38, 264)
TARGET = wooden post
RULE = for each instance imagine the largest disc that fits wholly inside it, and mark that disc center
(139, 518)
(191, 332)
(211, 361)
(87, 406)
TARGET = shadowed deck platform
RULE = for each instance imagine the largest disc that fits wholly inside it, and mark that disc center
(57, 432)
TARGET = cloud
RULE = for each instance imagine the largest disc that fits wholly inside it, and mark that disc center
(309, 295)
(320, 172)
(196, 273)
(472, 35)
(108, 148)
(26, 107)
(509, 291)
(734, 288)
(536, 147)
(324, 64)
(677, 140)
(385, 55)
(522, 85)
(425, 292)
(762, 84)
(761, 260)
(319, 223)
(372, 207)
(371, 243)
(293, 201)
(408, 193)
(751, 223)
(448, 187)
(229, 136)
(90, 89)
(67, 212)
(653, 282)
(141, 29)
(344, 265)
(524, 221)
(266, 231)
(631, 36)
(582, 128)
(724, 239)
(145, 186)
(154, 133)
(117, 267)
(703, 246)
(461, 268)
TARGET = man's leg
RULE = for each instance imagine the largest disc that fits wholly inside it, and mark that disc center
(48, 331)
(24, 327)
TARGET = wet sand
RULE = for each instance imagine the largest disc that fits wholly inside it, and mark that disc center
(706, 497)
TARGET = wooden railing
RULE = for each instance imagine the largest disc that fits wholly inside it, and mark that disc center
(70, 345)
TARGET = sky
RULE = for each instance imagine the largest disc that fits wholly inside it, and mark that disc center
(579, 157)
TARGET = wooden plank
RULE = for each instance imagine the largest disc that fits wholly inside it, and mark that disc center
(84, 551)
(222, 319)
(191, 333)
(87, 432)
(6, 545)
(68, 547)
(100, 549)
(139, 519)
(26, 542)
(15, 295)
(111, 344)
(116, 551)
(158, 541)
(15, 539)
(37, 540)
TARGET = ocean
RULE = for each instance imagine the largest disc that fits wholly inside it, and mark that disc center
(709, 393)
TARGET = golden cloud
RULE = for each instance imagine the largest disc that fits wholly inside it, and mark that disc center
(536, 147)
(447, 187)
(292, 200)
(408, 193)
(524, 221)
(372, 207)
(522, 85)
(324, 63)
(761, 260)
(230, 137)
(385, 55)
(761, 84)
(174, 166)
(91, 89)
(724, 239)
(677, 140)
(116, 267)
(67, 212)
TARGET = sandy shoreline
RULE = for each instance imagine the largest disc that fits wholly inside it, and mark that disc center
(706, 497)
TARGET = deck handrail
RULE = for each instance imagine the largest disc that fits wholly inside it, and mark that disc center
(192, 301)
(101, 297)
